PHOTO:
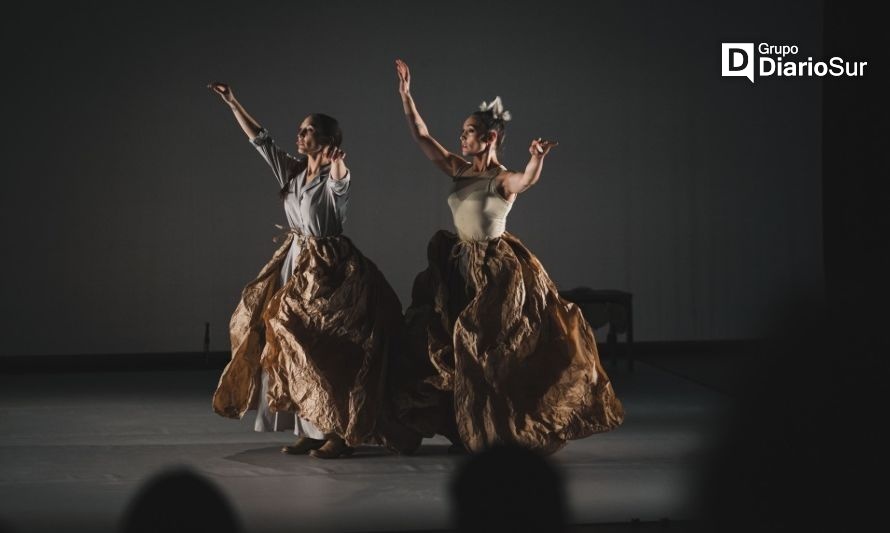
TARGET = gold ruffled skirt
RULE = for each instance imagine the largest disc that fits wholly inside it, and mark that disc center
(323, 338)
(495, 356)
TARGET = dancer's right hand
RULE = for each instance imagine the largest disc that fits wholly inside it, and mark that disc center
(223, 90)
(404, 76)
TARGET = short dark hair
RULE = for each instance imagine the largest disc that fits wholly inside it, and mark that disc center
(327, 129)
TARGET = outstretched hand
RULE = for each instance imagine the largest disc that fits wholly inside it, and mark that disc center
(540, 147)
(223, 90)
(404, 76)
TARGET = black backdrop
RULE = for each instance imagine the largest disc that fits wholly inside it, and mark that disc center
(135, 209)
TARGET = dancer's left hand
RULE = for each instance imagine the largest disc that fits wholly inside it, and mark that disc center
(540, 147)
(334, 153)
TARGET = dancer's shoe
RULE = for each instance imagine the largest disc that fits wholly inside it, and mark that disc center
(334, 448)
(303, 446)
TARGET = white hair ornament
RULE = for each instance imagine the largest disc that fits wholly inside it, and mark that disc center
(497, 109)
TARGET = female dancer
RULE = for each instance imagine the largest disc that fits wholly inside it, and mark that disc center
(311, 332)
(503, 359)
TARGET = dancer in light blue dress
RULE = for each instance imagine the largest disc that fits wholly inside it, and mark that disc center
(312, 333)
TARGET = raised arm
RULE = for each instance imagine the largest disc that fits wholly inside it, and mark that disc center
(517, 182)
(283, 164)
(250, 126)
(447, 162)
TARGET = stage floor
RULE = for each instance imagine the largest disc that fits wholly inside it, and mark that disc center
(75, 447)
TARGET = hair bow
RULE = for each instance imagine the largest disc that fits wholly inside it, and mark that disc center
(497, 108)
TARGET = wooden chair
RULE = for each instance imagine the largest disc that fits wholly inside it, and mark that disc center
(606, 306)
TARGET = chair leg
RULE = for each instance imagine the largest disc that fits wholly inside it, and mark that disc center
(630, 336)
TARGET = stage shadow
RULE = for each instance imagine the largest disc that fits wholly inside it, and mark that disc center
(368, 456)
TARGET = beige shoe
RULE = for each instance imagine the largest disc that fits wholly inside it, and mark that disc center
(332, 449)
(303, 446)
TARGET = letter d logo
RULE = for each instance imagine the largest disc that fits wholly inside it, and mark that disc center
(738, 60)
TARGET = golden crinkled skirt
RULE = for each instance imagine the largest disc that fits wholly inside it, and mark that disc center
(323, 338)
(497, 357)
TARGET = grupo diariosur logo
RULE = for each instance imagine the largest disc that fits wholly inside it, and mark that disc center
(780, 61)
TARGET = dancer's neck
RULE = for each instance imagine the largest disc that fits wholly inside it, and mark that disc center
(314, 163)
(485, 161)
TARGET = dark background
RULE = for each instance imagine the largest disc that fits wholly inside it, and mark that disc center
(135, 209)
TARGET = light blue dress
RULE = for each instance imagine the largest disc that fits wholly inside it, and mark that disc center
(318, 209)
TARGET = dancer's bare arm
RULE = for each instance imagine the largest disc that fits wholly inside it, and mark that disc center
(447, 162)
(250, 126)
(517, 182)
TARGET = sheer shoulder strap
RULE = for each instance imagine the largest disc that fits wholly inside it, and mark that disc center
(461, 170)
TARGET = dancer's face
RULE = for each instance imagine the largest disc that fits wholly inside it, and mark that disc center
(307, 142)
(472, 141)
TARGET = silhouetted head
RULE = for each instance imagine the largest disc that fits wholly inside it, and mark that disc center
(804, 443)
(179, 500)
(508, 488)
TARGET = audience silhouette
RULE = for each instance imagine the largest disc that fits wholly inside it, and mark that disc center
(507, 488)
(805, 443)
(180, 500)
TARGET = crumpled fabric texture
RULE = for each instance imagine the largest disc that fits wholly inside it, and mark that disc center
(497, 356)
(323, 338)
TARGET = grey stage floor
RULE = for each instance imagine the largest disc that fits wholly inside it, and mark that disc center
(75, 447)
